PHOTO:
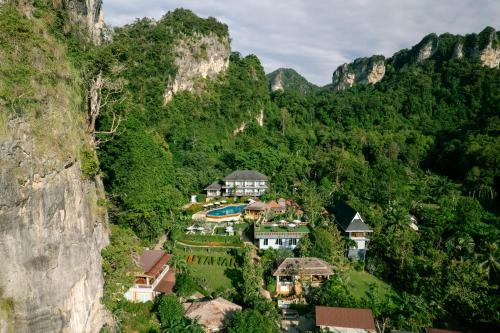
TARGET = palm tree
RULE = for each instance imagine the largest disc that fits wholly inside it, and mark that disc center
(179, 264)
(490, 261)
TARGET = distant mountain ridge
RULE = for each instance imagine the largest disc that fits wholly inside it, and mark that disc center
(485, 47)
(288, 79)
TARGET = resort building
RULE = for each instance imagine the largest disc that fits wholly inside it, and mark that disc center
(351, 222)
(344, 320)
(214, 190)
(279, 236)
(238, 184)
(211, 314)
(296, 274)
(256, 210)
(156, 277)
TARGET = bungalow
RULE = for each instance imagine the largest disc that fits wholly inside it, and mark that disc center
(344, 320)
(295, 273)
(351, 222)
(214, 190)
(238, 184)
(276, 236)
(256, 210)
(156, 277)
(211, 314)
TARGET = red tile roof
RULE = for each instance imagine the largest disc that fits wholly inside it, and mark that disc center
(345, 317)
(166, 284)
(152, 261)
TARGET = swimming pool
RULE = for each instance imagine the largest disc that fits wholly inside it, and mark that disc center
(226, 211)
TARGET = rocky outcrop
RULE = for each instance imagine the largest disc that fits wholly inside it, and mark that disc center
(277, 83)
(52, 232)
(361, 71)
(52, 229)
(90, 14)
(198, 56)
(287, 79)
(484, 47)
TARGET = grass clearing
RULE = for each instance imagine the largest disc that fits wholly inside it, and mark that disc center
(360, 283)
(215, 276)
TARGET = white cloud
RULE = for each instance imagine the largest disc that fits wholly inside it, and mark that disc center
(316, 36)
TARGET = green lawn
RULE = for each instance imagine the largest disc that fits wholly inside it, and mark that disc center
(215, 276)
(360, 283)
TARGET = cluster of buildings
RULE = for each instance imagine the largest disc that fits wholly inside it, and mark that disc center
(294, 276)
(285, 234)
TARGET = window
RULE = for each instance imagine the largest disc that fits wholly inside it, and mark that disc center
(266, 241)
(279, 241)
(293, 241)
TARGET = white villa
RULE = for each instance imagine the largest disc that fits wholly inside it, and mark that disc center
(157, 277)
(279, 236)
(238, 184)
(351, 222)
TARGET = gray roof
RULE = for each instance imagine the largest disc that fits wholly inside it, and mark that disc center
(303, 266)
(214, 186)
(344, 215)
(246, 175)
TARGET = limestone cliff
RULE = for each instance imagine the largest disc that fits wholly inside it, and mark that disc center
(51, 226)
(89, 13)
(197, 56)
(483, 47)
(361, 71)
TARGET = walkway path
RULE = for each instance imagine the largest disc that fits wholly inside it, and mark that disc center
(209, 246)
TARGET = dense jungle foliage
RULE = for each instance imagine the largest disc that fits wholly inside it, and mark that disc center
(423, 142)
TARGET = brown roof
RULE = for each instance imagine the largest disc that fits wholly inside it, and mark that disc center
(258, 206)
(166, 284)
(345, 317)
(440, 330)
(152, 261)
(306, 266)
(211, 314)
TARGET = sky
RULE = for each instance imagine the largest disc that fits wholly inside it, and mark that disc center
(314, 37)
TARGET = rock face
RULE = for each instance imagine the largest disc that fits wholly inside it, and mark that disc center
(51, 236)
(485, 47)
(361, 71)
(90, 14)
(277, 83)
(198, 56)
(52, 229)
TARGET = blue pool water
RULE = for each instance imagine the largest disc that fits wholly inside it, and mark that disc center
(226, 210)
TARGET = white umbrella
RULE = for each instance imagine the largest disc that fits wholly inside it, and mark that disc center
(217, 203)
(296, 221)
(291, 225)
(274, 225)
(190, 228)
(283, 221)
(223, 201)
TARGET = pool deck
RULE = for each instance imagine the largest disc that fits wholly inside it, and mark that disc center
(202, 215)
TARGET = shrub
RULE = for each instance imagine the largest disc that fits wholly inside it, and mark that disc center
(90, 164)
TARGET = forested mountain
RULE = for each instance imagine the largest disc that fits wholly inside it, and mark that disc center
(288, 79)
(423, 141)
(177, 109)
